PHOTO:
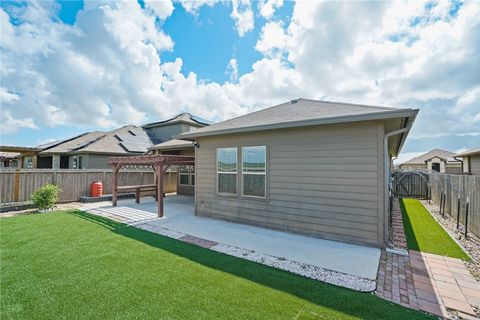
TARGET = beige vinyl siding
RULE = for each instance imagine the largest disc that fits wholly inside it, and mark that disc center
(323, 181)
(474, 165)
(98, 161)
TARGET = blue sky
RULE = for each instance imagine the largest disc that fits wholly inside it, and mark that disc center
(70, 67)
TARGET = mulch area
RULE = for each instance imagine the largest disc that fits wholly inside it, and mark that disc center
(59, 206)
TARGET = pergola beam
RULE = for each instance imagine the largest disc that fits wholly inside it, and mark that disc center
(159, 163)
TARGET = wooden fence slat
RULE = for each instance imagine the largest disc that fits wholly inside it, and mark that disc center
(17, 185)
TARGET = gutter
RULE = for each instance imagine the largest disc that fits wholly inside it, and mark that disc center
(386, 172)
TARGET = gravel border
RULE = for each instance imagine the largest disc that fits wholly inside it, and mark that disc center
(329, 276)
(303, 269)
(471, 245)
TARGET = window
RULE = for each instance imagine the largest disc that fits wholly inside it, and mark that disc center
(227, 170)
(254, 170)
(184, 172)
(80, 162)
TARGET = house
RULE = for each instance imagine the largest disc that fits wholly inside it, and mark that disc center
(471, 161)
(310, 167)
(435, 160)
(18, 157)
(90, 150)
(9, 159)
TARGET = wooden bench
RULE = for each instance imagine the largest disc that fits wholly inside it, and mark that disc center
(138, 189)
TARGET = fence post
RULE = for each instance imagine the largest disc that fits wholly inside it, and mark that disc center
(466, 219)
(16, 190)
(441, 201)
(458, 212)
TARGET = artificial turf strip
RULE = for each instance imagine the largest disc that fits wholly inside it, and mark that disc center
(424, 234)
(73, 265)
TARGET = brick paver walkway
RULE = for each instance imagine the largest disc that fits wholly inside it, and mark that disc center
(443, 282)
(395, 281)
(422, 281)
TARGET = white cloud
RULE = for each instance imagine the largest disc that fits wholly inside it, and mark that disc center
(242, 15)
(106, 70)
(192, 6)
(162, 8)
(267, 7)
(232, 70)
(272, 39)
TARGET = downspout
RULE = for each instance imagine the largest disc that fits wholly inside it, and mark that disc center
(387, 173)
(455, 157)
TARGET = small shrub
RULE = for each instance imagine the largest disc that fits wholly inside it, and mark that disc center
(45, 197)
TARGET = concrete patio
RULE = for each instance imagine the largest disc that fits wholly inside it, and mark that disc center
(358, 261)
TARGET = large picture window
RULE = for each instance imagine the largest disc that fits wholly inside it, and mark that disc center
(227, 170)
(254, 171)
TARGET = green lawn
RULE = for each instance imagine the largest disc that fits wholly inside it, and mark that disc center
(425, 234)
(67, 265)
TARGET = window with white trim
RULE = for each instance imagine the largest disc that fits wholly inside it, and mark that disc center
(184, 175)
(254, 171)
(227, 170)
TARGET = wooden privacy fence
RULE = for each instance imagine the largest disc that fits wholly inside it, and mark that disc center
(465, 187)
(17, 185)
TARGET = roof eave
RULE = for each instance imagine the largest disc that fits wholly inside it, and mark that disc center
(304, 123)
(411, 120)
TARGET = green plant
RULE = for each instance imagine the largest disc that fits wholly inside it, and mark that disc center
(46, 196)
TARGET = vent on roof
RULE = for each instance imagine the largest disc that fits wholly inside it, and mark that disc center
(294, 101)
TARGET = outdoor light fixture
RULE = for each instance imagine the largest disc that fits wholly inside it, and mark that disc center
(196, 145)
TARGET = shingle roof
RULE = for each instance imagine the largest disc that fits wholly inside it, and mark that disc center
(184, 117)
(439, 153)
(470, 152)
(172, 144)
(299, 112)
(124, 140)
(64, 146)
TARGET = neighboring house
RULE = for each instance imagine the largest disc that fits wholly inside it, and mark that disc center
(310, 167)
(167, 129)
(91, 150)
(471, 161)
(19, 157)
(435, 160)
(9, 159)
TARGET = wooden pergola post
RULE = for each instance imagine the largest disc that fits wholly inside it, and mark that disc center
(159, 174)
(116, 168)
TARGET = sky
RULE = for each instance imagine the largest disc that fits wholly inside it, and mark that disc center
(71, 66)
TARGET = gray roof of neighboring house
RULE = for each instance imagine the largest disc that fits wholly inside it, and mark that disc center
(9, 155)
(125, 140)
(439, 153)
(184, 117)
(172, 144)
(470, 152)
(300, 112)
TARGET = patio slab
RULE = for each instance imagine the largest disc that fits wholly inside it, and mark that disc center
(179, 217)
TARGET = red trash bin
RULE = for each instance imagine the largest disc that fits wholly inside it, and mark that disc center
(96, 189)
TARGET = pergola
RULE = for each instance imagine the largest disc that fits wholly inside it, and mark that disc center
(159, 163)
